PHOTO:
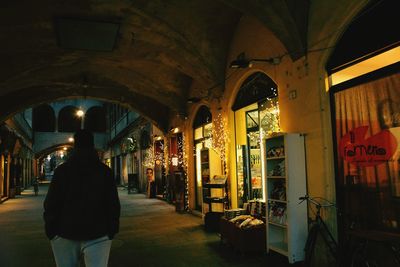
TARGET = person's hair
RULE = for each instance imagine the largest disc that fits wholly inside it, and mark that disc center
(149, 169)
(83, 139)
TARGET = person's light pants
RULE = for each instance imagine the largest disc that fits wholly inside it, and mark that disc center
(67, 252)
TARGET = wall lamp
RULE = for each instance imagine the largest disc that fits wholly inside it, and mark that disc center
(158, 138)
(174, 130)
(248, 63)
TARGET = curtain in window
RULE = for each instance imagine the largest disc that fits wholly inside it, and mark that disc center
(370, 190)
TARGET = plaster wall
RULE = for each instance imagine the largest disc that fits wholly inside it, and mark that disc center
(308, 112)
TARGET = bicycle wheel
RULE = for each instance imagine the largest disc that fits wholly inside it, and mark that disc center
(310, 245)
(359, 257)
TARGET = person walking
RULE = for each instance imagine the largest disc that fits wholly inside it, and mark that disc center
(35, 184)
(82, 208)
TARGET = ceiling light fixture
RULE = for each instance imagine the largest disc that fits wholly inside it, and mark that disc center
(80, 113)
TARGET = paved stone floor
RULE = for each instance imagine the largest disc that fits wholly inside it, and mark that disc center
(151, 234)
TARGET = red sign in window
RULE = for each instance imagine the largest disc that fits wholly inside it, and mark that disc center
(358, 150)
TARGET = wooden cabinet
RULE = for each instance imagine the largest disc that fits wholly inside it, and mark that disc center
(285, 182)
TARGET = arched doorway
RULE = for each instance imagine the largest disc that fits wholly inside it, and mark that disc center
(256, 114)
(95, 119)
(202, 129)
(366, 118)
(43, 118)
(68, 121)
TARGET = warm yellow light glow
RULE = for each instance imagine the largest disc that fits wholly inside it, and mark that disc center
(263, 167)
(371, 64)
(80, 113)
(176, 130)
(65, 148)
(219, 137)
(71, 139)
(158, 138)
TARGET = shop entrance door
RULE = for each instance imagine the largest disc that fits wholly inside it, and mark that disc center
(255, 108)
(249, 160)
(243, 174)
(253, 157)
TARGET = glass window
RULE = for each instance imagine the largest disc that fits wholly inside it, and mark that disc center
(269, 116)
(198, 133)
(367, 124)
(248, 154)
(249, 115)
(249, 121)
(208, 130)
(254, 157)
(199, 186)
(240, 168)
(252, 119)
(208, 162)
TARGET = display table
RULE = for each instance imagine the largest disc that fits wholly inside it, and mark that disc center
(243, 240)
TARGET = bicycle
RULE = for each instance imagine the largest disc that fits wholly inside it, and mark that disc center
(355, 249)
(319, 228)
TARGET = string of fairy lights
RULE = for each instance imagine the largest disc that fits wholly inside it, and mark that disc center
(148, 157)
(159, 154)
(151, 156)
(220, 137)
(270, 118)
(183, 162)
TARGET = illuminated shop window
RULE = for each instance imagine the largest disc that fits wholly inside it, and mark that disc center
(367, 124)
(207, 161)
(256, 115)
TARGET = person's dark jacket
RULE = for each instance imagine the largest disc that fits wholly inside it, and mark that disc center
(82, 202)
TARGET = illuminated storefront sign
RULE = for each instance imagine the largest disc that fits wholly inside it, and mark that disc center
(357, 149)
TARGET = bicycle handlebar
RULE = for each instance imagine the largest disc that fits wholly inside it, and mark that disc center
(316, 203)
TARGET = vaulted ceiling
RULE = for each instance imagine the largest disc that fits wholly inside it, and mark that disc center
(160, 52)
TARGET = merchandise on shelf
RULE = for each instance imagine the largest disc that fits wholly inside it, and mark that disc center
(246, 221)
(276, 152)
(278, 191)
(277, 213)
(286, 221)
(256, 208)
(232, 213)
